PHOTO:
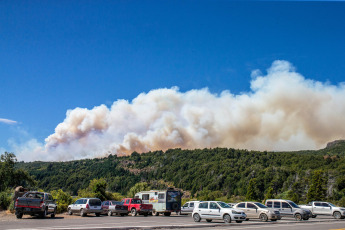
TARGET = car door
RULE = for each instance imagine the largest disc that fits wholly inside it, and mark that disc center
(203, 210)
(214, 210)
(76, 204)
(326, 209)
(317, 208)
(286, 209)
(251, 211)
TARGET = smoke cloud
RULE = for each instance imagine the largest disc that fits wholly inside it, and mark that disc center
(283, 111)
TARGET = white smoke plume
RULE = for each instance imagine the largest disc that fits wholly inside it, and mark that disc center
(283, 111)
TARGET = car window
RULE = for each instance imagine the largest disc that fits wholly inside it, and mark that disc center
(260, 205)
(285, 205)
(77, 202)
(269, 204)
(317, 204)
(84, 201)
(127, 201)
(325, 205)
(145, 196)
(250, 205)
(95, 202)
(203, 205)
(191, 205)
(213, 205)
(276, 204)
(161, 196)
(293, 204)
(241, 205)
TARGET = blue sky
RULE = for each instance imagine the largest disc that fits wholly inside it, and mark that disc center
(59, 55)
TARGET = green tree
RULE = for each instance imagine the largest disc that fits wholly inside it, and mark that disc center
(252, 193)
(317, 189)
(138, 187)
(269, 193)
(97, 188)
(62, 199)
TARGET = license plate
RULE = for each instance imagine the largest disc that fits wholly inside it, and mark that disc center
(28, 209)
(94, 206)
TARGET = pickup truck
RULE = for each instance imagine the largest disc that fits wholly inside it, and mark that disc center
(136, 206)
(35, 203)
(325, 208)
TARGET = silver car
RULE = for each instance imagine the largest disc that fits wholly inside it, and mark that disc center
(85, 206)
(188, 207)
(217, 210)
(256, 210)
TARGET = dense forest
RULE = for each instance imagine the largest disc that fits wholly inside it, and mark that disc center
(219, 173)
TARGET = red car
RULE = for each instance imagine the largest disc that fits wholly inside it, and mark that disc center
(136, 206)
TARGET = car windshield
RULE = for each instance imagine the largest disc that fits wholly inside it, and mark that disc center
(95, 202)
(223, 205)
(260, 205)
(332, 205)
(293, 204)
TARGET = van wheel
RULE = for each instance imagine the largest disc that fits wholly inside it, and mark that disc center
(167, 213)
(227, 218)
(134, 212)
(208, 220)
(82, 212)
(337, 215)
(19, 215)
(263, 217)
(110, 213)
(196, 217)
(298, 217)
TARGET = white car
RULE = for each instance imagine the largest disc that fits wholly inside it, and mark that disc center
(84, 206)
(217, 210)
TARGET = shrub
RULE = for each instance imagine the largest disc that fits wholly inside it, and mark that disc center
(5, 199)
(62, 200)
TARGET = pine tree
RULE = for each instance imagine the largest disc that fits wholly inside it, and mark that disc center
(252, 194)
(317, 189)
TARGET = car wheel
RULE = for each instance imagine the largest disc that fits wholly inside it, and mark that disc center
(337, 215)
(82, 212)
(208, 220)
(70, 211)
(298, 217)
(167, 213)
(227, 218)
(134, 212)
(263, 217)
(238, 221)
(53, 214)
(146, 213)
(110, 213)
(306, 218)
(97, 214)
(196, 217)
(19, 215)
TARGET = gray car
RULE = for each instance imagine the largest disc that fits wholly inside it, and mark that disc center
(289, 209)
(256, 210)
(188, 207)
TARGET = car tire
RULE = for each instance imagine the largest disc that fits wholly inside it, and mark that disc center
(69, 211)
(53, 214)
(306, 218)
(19, 215)
(82, 212)
(134, 212)
(227, 218)
(197, 217)
(238, 221)
(263, 217)
(209, 220)
(110, 213)
(337, 215)
(167, 213)
(146, 213)
(298, 217)
(44, 213)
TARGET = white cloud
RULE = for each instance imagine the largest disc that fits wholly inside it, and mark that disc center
(283, 111)
(7, 121)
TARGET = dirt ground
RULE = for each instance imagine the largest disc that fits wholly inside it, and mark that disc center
(8, 216)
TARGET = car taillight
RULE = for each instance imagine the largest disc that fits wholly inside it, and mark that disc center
(41, 204)
(16, 202)
(87, 206)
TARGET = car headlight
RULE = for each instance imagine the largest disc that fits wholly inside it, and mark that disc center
(342, 209)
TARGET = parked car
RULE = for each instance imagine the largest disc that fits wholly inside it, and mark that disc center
(136, 206)
(255, 210)
(325, 208)
(217, 210)
(163, 201)
(232, 204)
(35, 203)
(188, 207)
(86, 206)
(110, 207)
(289, 209)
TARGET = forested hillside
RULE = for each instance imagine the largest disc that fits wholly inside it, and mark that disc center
(208, 173)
